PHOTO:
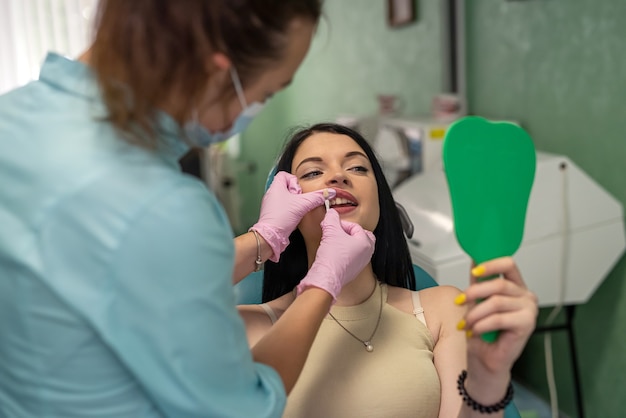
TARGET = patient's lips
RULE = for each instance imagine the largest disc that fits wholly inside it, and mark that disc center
(343, 202)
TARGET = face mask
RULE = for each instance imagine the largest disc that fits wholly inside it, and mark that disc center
(199, 136)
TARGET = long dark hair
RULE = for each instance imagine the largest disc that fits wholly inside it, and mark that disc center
(391, 261)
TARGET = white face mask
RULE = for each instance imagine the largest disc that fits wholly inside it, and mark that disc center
(199, 136)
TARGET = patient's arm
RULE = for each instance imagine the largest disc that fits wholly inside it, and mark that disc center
(257, 322)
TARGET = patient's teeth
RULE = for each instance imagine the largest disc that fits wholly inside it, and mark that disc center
(340, 201)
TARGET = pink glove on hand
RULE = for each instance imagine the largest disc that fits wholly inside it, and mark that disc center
(283, 207)
(344, 251)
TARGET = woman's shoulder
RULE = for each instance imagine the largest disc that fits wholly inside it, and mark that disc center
(442, 291)
(437, 303)
(259, 312)
(259, 318)
(402, 298)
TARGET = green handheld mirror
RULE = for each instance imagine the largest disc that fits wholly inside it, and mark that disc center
(490, 167)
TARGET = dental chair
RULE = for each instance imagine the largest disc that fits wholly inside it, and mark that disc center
(250, 289)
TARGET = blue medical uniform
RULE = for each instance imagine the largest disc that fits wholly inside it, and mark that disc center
(116, 295)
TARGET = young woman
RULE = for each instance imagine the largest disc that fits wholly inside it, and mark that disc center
(384, 350)
(116, 269)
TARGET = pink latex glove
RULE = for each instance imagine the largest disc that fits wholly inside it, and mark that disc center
(344, 251)
(283, 207)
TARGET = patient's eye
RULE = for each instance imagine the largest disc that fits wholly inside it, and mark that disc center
(359, 169)
(311, 174)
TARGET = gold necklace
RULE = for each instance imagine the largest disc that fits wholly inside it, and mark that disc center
(367, 343)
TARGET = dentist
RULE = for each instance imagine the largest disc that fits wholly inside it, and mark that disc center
(116, 269)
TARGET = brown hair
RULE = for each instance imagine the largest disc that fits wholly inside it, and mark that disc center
(144, 50)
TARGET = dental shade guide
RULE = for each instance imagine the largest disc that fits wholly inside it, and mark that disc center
(326, 201)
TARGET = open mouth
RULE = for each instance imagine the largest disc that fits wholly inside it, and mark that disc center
(341, 202)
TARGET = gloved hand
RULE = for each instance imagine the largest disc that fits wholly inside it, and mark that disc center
(344, 251)
(283, 207)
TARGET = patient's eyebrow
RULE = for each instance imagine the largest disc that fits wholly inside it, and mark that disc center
(308, 160)
(356, 154)
(319, 159)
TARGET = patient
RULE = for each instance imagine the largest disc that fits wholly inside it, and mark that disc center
(384, 350)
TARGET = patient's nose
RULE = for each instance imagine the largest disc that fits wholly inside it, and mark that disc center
(338, 178)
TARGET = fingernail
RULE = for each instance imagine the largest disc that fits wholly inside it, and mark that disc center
(460, 299)
(469, 333)
(478, 271)
(460, 325)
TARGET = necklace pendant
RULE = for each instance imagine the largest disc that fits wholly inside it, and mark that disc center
(368, 346)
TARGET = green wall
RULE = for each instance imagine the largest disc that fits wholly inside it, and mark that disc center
(559, 67)
(355, 56)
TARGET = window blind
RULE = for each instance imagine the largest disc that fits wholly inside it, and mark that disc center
(31, 28)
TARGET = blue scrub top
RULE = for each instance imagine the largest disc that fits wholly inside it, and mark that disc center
(116, 295)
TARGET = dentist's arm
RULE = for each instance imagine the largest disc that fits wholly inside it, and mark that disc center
(344, 251)
(246, 253)
(282, 209)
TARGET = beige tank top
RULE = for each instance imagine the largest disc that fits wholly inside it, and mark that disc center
(341, 379)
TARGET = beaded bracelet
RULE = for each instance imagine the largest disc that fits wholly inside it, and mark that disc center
(480, 407)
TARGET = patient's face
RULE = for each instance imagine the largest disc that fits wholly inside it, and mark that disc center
(337, 161)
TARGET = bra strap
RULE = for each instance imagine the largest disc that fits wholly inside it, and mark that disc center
(418, 311)
(270, 312)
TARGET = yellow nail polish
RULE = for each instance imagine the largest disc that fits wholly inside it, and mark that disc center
(460, 325)
(460, 299)
(469, 333)
(478, 271)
